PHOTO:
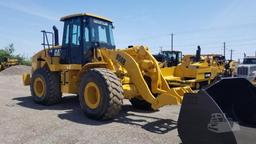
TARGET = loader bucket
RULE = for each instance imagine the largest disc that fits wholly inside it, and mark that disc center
(223, 113)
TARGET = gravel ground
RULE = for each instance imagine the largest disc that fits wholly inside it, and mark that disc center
(15, 70)
(23, 121)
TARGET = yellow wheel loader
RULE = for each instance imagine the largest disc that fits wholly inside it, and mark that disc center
(216, 62)
(1, 67)
(7, 62)
(3, 62)
(12, 62)
(188, 70)
(220, 66)
(169, 58)
(88, 64)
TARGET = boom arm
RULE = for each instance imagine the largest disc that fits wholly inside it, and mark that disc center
(136, 63)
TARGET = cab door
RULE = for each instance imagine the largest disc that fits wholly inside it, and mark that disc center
(71, 51)
(75, 47)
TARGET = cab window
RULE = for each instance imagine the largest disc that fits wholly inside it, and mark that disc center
(76, 32)
(102, 34)
(66, 33)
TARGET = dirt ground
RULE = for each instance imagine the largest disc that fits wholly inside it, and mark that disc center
(23, 121)
(15, 70)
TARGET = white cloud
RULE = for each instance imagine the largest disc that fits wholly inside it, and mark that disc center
(28, 10)
(237, 13)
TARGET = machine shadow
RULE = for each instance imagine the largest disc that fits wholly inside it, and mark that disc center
(128, 115)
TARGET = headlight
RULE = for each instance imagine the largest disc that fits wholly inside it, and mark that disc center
(207, 75)
(252, 73)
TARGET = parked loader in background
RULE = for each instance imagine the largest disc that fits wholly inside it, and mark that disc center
(88, 64)
(12, 62)
(169, 58)
(194, 70)
(187, 70)
(220, 66)
(7, 62)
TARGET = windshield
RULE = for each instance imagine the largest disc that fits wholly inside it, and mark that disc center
(249, 61)
(219, 59)
(101, 31)
(173, 55)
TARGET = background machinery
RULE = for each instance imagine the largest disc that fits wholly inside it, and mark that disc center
(194, 70)
(220, 66)
(7, 62)
(248, 69)
(187, 70)
(88, 64)
(169, 58)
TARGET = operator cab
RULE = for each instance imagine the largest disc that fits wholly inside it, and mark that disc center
(82, 34)
(172, 58)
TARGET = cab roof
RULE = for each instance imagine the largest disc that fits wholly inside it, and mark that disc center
(84, 14)
(211, 55)
(170, 51)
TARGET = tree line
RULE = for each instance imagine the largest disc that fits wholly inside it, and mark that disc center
(8, 53)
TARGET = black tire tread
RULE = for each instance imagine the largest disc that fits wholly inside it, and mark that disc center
(114, 90)
(53, 92)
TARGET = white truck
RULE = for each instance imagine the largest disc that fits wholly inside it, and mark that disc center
(248, 69)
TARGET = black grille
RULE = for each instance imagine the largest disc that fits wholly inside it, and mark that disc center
(242, 71)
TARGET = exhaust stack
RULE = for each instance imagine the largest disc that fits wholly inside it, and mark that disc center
(56, 35)
(198, 54)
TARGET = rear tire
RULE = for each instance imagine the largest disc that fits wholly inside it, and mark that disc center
(101, 94)
(45, 87)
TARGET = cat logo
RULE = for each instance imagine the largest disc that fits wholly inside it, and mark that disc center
(219, 124)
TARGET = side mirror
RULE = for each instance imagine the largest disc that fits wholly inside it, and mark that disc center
(95, 44)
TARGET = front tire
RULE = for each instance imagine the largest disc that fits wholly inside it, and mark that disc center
(45, 87)
(101, 94)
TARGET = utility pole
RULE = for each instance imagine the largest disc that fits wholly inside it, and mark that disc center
(231, 54)
(224, 52)
(172, 41)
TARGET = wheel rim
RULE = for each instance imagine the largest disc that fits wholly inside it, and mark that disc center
(92, 95)
(39, 87)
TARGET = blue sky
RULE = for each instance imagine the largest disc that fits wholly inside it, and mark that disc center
(139, 22)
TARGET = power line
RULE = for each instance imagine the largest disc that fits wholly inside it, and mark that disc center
(189, 32)
(224, 52)
(217, 28)
(231, 54)
(172, 41)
